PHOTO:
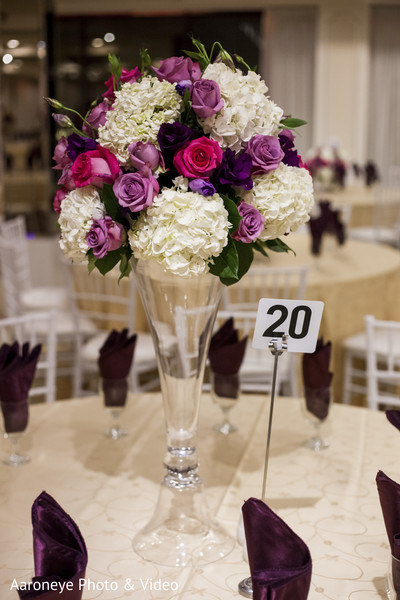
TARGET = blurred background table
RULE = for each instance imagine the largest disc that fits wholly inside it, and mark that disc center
(360, 201)
(110, 489)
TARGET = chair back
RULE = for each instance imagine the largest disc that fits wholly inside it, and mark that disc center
(36, 328)
(14, 264)
(383, 362)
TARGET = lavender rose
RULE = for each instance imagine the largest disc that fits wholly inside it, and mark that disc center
(266, 153)
(176, 69)
(235, 170)
(205, 188)
(96, 117)
(60, 154)
(206, 98)
(145, 157)
(135, 192)
(105, 235)
(77, 144)
(251, 225)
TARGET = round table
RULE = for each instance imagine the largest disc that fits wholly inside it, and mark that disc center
(360, 201)
(110, 489)
(352, 280)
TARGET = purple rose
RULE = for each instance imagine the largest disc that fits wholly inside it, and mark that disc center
(145, 157)
(105, 235)
(251, 224)
(206, 98)
(205, 188)
(172, 136)
(177, 69)
(77, 144)
(290, 157)
(235, 170)
(136, 192)
(96, 117)
(67, 179)
(266, 153)
(60, 154)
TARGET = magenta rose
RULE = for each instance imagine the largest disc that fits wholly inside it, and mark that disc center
(266, 153)
(60, 154)
(198, 159)
(145, 157)
(135, 192)
(95, 167)
(105, 235)
(58, 198)
(251, 224)
(206, 98)
(96, 117)
(177, 68)
(126, 77)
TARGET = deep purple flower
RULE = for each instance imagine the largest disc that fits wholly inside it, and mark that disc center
(135, 192)
(205, 188)
(266, 153)
(77, 144)
(290, 158)
(105, 235)
(145, 157)
(251, 225)
(172, 136)
(182, 86)
(235, 170)
(206, 98)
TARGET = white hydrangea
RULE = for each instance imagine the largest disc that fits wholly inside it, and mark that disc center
(182, 231)
(140, 108)
(78, 209)
(247, 109)
(284, 197)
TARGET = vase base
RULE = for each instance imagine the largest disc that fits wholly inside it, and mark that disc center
(167, 545)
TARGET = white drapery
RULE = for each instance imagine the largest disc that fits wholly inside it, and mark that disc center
(384, 119)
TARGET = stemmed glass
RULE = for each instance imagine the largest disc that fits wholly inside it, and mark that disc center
(114, 393)
(225, 391)
(393, 578)
(316, 408)
(16, 415)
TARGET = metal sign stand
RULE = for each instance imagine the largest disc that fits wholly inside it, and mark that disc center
(277, 346)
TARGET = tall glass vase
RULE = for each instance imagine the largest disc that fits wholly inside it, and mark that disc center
(181, 313)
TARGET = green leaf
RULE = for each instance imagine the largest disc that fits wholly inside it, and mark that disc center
(110, 201)
(145, 60)
(116, 69)
(234, 216)
(91, 261)
(125, 265)
(292, 123)
(245, 258)
(226, 264)
(108, 261)
(260, 248)
(277, 245)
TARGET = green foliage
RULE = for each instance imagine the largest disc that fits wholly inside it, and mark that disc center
(292, 123)
(145, 60)
(231, 207)
(116, 69)
(277, 245)
(109, 200)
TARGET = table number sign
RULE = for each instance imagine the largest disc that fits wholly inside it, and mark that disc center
(298, 319)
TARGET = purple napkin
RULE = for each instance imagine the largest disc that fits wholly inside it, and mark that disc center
(226, 355)
(328, 222)
(59, 552)
(115, 361)
(280, 562)
(17, 371)
(393, 416)
(317, 379)
(389, 497)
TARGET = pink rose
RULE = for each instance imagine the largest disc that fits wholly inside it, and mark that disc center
(58, 198)
(105, 235)
(96, 117)
(199, 158)
(60, 154)
(206, 98)
(135, 192)
(95, 167)
(266, 153)
(126, 77)
(251, 224)
(145, 157)
(177, 68)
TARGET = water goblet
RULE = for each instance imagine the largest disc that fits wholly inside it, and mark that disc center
(16, 416)
(114, 393)
(316, 407)
(393, 578)
(225, 391)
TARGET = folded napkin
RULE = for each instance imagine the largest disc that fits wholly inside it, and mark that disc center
(226, 355)
(393, 416)
(371, 173)
(389, 497)
(115, 361)
(328, 221)
(17, 371)
(59, 553)
(317, 379)
(280, 562)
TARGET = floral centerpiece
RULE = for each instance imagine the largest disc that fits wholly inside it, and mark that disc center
(328, 167)
(190, 164)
